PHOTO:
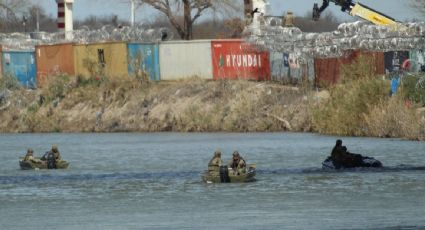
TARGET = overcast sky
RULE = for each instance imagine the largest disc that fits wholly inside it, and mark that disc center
(398, 9)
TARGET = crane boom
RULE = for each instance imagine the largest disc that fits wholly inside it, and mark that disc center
(355, 10)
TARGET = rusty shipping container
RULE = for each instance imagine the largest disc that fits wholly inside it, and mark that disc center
(101, 59)
(184, 59)
(54, 59)
(329, 70)
(233, 59)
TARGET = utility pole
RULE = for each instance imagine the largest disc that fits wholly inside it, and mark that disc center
(133, 12)
(37, 19)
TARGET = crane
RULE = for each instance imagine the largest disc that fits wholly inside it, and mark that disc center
(355, 10)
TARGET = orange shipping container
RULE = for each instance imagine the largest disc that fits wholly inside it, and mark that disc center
(328, 70)
(234, 59)
(54, 59)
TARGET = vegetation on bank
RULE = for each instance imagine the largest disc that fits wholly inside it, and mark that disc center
(360, 105)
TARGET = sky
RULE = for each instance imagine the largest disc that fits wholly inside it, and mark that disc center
(398, 9)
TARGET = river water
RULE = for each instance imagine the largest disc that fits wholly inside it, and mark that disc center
(152, 181)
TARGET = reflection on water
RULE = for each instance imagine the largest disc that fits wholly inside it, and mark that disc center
(152, 181)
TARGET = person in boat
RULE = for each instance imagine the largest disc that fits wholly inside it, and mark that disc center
(56, 153)
(30, 156)
(215, 162)
(237, 163)
(52, 157)
(342, 158)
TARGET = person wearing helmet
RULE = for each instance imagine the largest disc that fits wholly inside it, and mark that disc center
(237, 163)
(215, 163)
(29, 156)
(56, 153)
(216, 160)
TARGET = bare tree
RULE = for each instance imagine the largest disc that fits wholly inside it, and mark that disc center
(9, 10)
(192, 10)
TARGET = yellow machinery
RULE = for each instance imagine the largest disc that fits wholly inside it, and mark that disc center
(355, 9)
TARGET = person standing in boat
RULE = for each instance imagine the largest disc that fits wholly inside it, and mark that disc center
(237, 163)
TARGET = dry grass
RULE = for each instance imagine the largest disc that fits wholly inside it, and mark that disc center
(361, 106)
(393, 119)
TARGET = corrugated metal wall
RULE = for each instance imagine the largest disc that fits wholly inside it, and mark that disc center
(54, 59)
(394, 60)
(109, 59)
(234, 59)
(183, 59)
(417, 60)
(144, 57)
(1, 66)
(281, 70)
(328, 70)
(21, 65)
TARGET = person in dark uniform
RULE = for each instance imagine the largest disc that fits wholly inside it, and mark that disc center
(342, 158)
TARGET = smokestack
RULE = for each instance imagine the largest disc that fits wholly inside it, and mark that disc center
(65, 20)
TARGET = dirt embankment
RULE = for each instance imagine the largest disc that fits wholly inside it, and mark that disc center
(195, 105)
(188, 106)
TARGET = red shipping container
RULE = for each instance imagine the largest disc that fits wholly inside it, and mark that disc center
(328, 70)
(234, 59)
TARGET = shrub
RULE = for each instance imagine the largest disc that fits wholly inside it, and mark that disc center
(10, 82)
(349, 102)
(55, 87)
(414, 88)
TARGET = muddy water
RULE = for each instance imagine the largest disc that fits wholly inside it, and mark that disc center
(152, 181)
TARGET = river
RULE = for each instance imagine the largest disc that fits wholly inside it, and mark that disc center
(152, 181)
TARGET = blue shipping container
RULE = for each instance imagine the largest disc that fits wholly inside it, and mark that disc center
(144, 57)
(20, 65)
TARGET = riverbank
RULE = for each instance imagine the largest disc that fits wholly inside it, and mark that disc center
(193, 105)
(184, 106)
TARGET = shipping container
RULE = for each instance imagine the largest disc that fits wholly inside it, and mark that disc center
(417, 60)
(328, 70)
(283, 71)
(394, 60)
(20, 64)
(234, 59)
(101, 59)
(144, 57)
(184, 59)
(54, 59)
(1, 65)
